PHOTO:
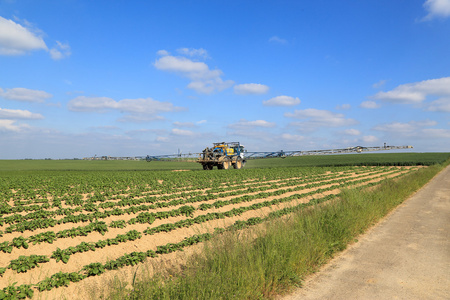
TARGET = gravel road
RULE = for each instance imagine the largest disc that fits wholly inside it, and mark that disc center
(406, 256)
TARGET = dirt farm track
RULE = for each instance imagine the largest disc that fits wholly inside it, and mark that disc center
(406, 256)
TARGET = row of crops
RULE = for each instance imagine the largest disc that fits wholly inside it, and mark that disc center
(59, 228)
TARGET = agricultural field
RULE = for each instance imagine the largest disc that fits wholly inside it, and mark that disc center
(67, 232)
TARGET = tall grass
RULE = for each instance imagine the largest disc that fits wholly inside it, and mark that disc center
(269, 260)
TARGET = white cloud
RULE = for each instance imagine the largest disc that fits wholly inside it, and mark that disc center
(401, 94)
(261, 136)
(369, 139)
(18, 114)
(437, 9)
(436, 133)
(344, 107)
(379, 84)
(414, 93)
(440, 105)
(183, 124)
(210, 86)
(282, 101)
(352, 132)
(162, 139)
(292, 137)
(277, 40)
(193, 52)
(142, 109)
(60, 51)
(10, 125)
(396, 127)
(316, 118)
(417, 133)
(18, 40)
(244, 124)
(183, 65)
(369, 104)
(409, 128)
(146, 106)
(182, 132)
(92, 104)
(23, 94)
(163, 52)
(250, 89)
(203, 80)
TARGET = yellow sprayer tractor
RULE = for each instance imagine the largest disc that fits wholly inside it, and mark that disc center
(223, 155)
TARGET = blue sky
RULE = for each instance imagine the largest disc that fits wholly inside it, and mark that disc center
(129, 78)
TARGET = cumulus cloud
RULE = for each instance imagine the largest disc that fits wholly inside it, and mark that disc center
(277, 40)
(369, 139)
(245, 124)
(441, 105)
(60, 51)
(292, 137)
(183, 124)
(436, 133)
(417, 132)
(9, 118)
(92, 104)
(315, 118)
(379, 84)
(203, 79)
(409, 128)
(182, 132)
(162, 52)
(25, 95)
(250, 89)
(369, 104)
(352, 132)
(344, 107)
(162, 139)
(193, 52)
(18, 40)
(12, 126)
(396, 127)
(143, 109)
(436, 9)
(183, 65)
(415, 93)
(18, 114)
(282, 101)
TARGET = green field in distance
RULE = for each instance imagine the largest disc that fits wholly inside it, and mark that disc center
(373, 159)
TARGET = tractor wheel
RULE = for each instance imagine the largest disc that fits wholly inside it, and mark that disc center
(226, 165)
(238, 164)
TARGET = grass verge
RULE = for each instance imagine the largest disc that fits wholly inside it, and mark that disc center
(269, 260)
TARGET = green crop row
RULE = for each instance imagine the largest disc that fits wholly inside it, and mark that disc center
(64, 254)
